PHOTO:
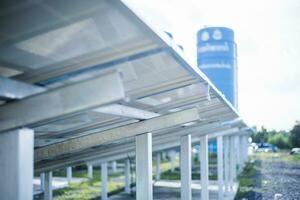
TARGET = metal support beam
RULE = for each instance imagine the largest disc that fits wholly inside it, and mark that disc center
(204, 167)
(104, 195)
(172, 155)
(126, 111)
(13, 89)
(69, 174)
(90, 170)
(48, 195)
(62, 101)
(232, 168)
(114, 166)
(42, 181)
(157, 171)
(122, 151)
(220, 167)
(16, 165)
(127, 176)
(238, 153)
(144, 188)
(186, 167)
(226, 163)
(242, 151)
(95, 139)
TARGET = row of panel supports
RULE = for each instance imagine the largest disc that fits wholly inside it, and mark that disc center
(231, 155)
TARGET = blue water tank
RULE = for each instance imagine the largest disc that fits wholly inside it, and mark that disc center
(216, 57)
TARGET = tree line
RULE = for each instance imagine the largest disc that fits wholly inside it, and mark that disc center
(282, 139)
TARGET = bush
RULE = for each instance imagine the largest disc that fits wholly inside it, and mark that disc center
(295, 136)
(280, 140)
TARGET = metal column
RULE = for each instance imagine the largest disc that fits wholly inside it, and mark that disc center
(16, 165)
(220, 167)
(144, 188)
(48, 195)
(127, 176)
(157, 171)
(238, 153)
(104, 195)
(186, 167)
(114, 166)
(172, 155)
(69, 174)
(226, 163)
(204, 167)
(90, 170)
(42, 181)
(232, 160)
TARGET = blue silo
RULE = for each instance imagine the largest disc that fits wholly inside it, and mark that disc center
(216, 57)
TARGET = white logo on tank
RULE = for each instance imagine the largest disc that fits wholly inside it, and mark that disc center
(205, 36)
(217, 35)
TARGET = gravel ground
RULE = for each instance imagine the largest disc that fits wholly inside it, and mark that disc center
(280, 180)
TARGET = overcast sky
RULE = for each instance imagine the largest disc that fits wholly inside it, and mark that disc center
(267, 33)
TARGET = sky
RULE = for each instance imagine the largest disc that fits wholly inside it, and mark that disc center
(267, 33)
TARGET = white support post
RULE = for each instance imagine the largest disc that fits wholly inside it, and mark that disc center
(243, 147)
(16, 164)
(238, 154)
(226, 163)
(157, 171)
(220, 167)
(232, 168)
(172, 157)
(90, 170)
(144, 188)
(42, 181)
(186, 167)
(127, 176)
(69, 174)
(48, 195)
(114, 166)
(204, 167)
(104, 195)
(246, 148)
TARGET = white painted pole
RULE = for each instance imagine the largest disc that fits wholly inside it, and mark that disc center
(104, 195)
(204, 167)
(157, 172)
(42, 181)
(69, 174)
(114, 166)
(172, 156)
(144, 188)
(246, 148)
(16, 164)
(186, 167)
(232, 168)
(226, 163)
(220, 167)
(48, 195)
(127, 176)
(90, 170)
(237, 153)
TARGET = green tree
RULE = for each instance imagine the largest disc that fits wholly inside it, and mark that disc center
(281, 140)
(260, 136)
(295, 135)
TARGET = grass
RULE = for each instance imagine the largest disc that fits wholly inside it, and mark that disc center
(248, 179)
(282, 155)
(86, 190)
(91, 189)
